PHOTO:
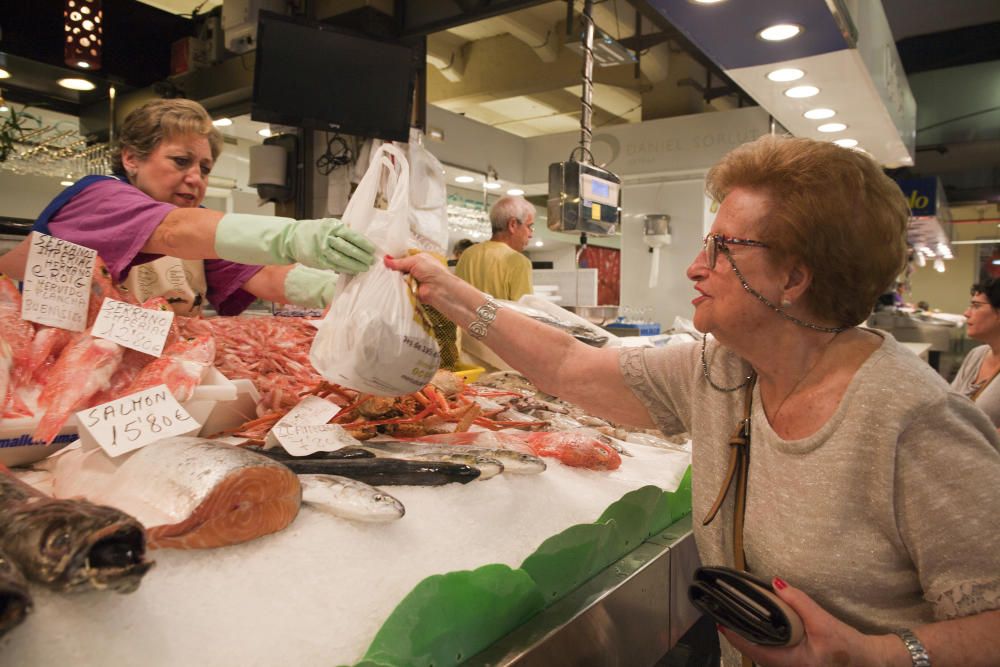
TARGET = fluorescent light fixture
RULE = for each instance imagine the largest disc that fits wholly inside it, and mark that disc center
(779, 32)
(832, 127)
(464, 179)
(820, 114)
(4, 74)
(515, 192)
(266, 132)
(65, 183)
(846, 143)
(539, 244)
(786, 74)
(996, 262)
(802, 91)
(76, 84)
(222, 122)
(491, 185)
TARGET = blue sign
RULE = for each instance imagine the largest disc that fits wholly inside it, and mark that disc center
(921, 194)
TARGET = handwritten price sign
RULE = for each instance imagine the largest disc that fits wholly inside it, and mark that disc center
(141, 329)
(305, 430)
(134, 421)
(57, 282)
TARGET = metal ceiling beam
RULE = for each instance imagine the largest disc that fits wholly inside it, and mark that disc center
(422, 17)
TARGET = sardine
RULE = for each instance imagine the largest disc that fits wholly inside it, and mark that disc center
(349, 499)
(190, 493)
(488, 466)
(70, 545)
(385, 472)
(15, 601)
(515, 455)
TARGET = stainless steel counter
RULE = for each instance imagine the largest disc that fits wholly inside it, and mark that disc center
(631, 613)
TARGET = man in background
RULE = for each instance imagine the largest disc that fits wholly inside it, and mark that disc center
(497, 266)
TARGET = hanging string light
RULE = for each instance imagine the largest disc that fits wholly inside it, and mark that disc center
(82, 23)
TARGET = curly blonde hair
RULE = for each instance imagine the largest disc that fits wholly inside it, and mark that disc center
(145, 127)
(831, 208)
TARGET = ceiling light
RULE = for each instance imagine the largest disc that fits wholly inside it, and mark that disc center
(779, 32)
(707, 2)
(820, 114)
(76, 84)
(4, 74)
(802, 91)
(491, 185)
(82, 25)
(4, 108)
(786, 74)
(222, 122)
(846, 143)
(539, 244)
(464, 179)
(832, 127)
(65, 183)
(266, 132)
(515, 192)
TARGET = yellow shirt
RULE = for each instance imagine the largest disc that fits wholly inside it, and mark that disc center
(496, 269)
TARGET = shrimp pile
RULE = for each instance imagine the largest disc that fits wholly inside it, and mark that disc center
(272, 352)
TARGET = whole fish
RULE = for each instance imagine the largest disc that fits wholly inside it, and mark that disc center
(488, 467)
(101, 286)
(46, 347)
(349, 499)
(385, 472)
(17, 331)
(180, 368)
(70, 545)
(190, 493)
(579, 450)
(279, 454)
(517, 457)
(83, 369)
(15, 600)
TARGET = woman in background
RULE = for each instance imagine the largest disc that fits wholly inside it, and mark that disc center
(981, 365)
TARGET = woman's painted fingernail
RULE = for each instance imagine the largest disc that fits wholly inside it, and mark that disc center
(779, 583)
(719, 628)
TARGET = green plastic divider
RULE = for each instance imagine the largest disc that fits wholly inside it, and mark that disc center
(449, 617)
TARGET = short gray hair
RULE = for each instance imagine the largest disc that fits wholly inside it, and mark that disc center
(508, 207)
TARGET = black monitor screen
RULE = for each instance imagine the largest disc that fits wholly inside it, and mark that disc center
(318, 78)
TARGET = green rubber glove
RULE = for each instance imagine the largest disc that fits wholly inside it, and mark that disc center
(321, 244)
(312, 288)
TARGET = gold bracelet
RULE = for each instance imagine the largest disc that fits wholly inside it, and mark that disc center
(485, 315)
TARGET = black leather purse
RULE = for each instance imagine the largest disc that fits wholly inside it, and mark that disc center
(746, 605)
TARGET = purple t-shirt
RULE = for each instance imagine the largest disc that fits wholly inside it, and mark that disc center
(116, 219)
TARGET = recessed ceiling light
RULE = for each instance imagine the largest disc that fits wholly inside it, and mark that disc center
(802, 91)
(515, 192)
(464, 179)
(222, 122)
(779, 32)
(832, 127)
(846, 143)
(786, 74)
(4, 74)
(491, 185)
(819, 114)
(83, 64)
(76, 84)
(266, 132)
(65, 183)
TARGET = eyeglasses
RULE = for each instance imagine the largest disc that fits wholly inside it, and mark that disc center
(716, 242)
(530, 225)
(976, 305)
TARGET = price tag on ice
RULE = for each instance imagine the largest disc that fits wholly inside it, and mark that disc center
(139, 328)
(57, 282)
(134, 421)
(305, 430)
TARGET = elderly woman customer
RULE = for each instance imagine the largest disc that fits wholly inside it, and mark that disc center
(871, 488)
(150, 209)
(975, 378)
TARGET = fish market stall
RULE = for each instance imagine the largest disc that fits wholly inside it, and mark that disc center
(318, 591)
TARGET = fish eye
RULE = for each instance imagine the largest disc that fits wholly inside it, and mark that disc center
(56, 539)
(378, 497)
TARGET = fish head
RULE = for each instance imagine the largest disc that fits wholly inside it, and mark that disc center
(382, 504)
(74, 545)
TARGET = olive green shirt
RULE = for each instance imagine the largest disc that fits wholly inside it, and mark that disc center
(497, 269)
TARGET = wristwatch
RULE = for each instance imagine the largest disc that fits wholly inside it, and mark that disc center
(918, 654)
(485, 315)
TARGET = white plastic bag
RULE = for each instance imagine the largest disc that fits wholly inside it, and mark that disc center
(428, 198)
(373, 339)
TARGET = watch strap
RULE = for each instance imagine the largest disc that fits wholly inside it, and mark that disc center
(918, 654)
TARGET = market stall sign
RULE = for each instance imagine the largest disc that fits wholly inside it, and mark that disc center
(305, 430)
(130, 422)
(57, 282)
(135, 327)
